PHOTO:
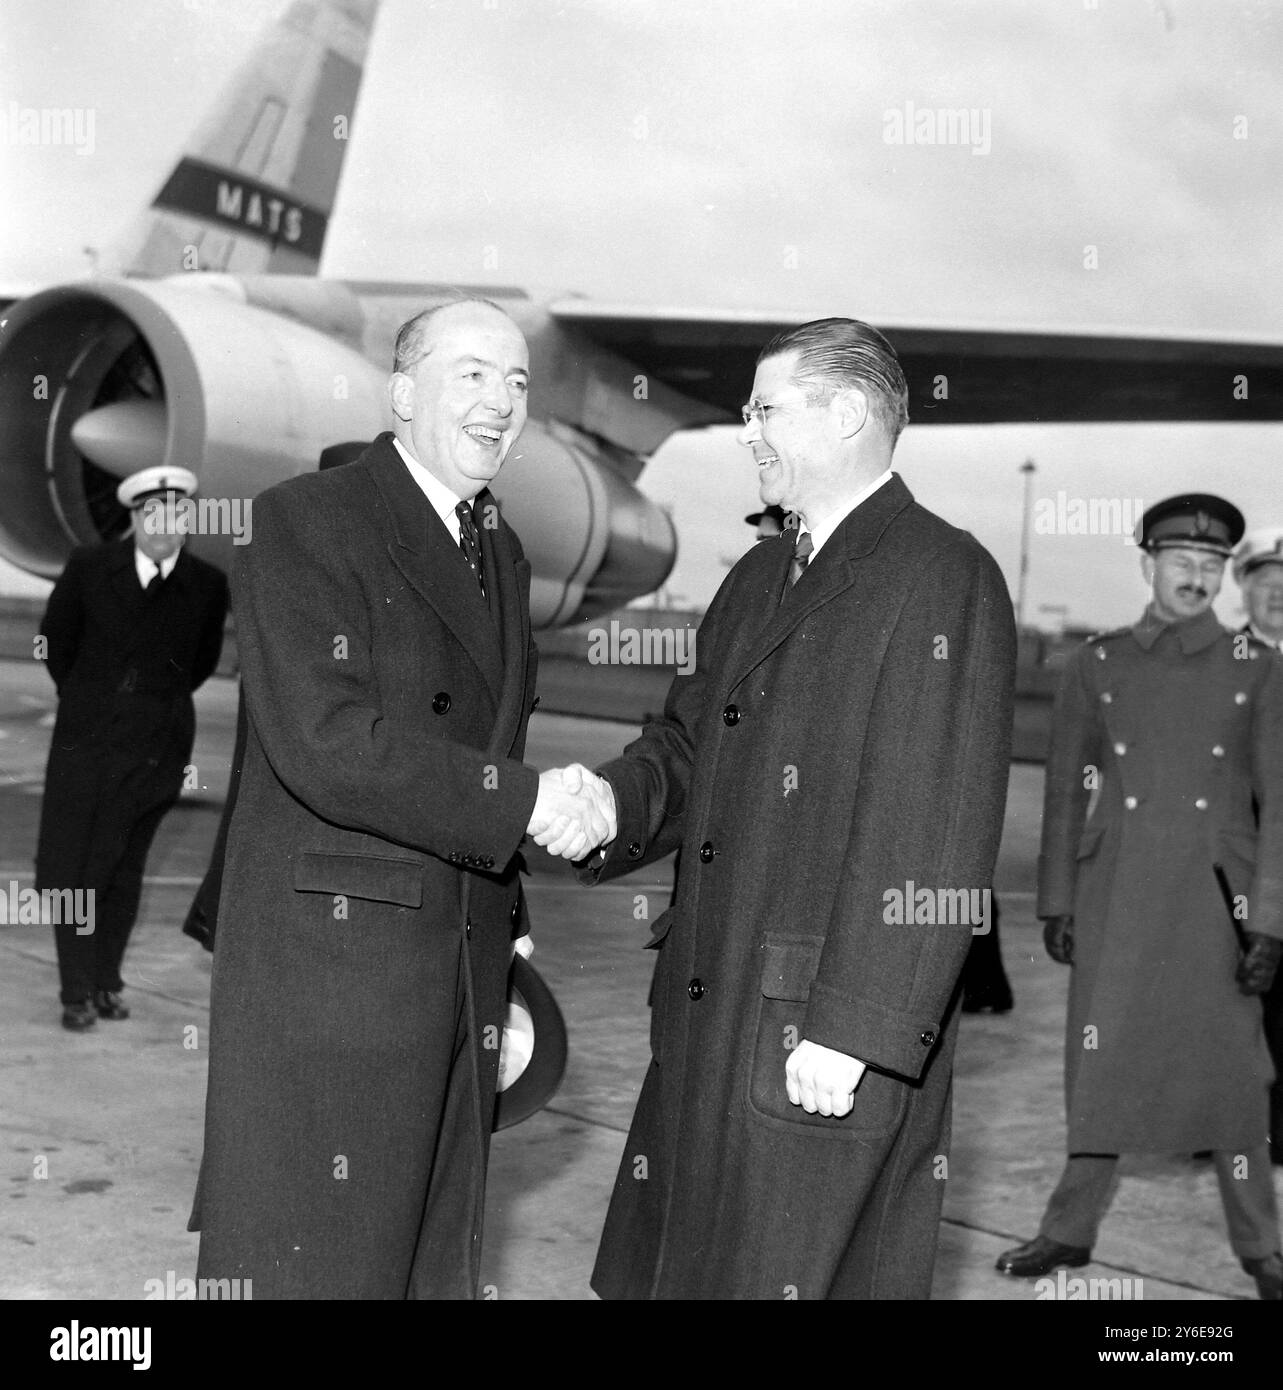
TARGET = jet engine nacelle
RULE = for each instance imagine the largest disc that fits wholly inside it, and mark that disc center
(103, 378)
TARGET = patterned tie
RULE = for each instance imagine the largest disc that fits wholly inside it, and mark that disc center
(470, 542)
(801, 556)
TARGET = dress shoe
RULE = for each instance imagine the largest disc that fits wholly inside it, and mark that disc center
(1041, 1256)
(1268, 1273)
(79, 1016)
(108, 1004)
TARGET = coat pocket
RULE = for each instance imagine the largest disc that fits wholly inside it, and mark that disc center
(1089, 841)
(789, 967)
(378, 878)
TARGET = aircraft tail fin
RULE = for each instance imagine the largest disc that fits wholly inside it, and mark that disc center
(253, 191)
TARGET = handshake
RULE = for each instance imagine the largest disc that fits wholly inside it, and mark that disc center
(574, 812)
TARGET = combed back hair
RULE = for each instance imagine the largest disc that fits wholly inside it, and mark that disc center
(409, 350)
(836, 353)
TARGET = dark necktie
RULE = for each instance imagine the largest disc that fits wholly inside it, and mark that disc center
(470, 542)
(154, 583)
(801, 556)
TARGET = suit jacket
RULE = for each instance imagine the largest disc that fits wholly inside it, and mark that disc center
(826, 751)
(369, 891)
(125, 663)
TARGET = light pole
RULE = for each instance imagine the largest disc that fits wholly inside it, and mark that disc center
(1028, 469)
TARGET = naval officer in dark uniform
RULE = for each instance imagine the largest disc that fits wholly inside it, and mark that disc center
(1258, 572)
(131, 629)
(1167, 740)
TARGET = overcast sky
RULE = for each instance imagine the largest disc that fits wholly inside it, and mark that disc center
(736, 155)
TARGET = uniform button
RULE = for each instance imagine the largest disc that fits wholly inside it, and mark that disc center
(1240, 698)
(696, 988)
(1100, 653)
(1201, 803)
(440, 702)
(706, 852)
(1218, 751)
(1106, 698)
(634, 850)
(927, 1039)
(731, 715)
(1131, 803)
(1120, 749)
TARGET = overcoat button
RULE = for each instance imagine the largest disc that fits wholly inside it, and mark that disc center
(706, 852)
(454, 856)
(1201, 803)
(731, 715)
(489, 861)
(1120, 749)
(467, 930)
(1240, 698)
(1131, 803)
(1106, 698)
(440, 702)
(696, 988)
(634, 850)
(1218, 751)
(927, 1039)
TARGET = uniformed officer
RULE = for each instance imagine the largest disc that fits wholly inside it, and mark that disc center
(1167, 739)
(131, 629)
(1258, 571)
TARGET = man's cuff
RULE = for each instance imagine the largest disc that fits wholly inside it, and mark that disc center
(887, 1039)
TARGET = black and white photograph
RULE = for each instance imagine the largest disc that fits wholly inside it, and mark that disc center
(641, 658)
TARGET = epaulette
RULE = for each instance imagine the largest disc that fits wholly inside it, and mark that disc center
(1105, 636)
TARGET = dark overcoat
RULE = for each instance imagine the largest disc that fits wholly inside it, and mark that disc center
(1176, 730)
(369, 890)
(825, 753)
(125, 663)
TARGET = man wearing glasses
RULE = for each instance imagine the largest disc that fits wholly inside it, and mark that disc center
(834, 772)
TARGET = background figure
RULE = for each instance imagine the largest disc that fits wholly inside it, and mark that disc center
(133, 627)
(1258, 570)
(985, 987)
(1167, 732)
(844, 735)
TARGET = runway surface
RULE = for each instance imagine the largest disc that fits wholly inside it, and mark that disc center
(101, 1133)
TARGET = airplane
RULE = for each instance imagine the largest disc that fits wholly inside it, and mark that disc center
(222, 349)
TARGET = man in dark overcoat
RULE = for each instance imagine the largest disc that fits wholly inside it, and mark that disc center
(132, 628)
(1258, 570)
(1167, 742)
(370, 889)
(835, 772)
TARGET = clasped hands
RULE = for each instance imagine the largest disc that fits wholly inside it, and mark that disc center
(574, 812)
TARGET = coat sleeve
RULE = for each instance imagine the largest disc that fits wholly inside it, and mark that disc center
(1265, 902)
(928, 812)
(210, 646)
(320, 719)
(1074, 756)
(64, 619)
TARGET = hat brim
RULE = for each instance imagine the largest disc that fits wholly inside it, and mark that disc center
(538, 1083)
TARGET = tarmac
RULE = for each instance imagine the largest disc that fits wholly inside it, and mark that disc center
(101, 1132)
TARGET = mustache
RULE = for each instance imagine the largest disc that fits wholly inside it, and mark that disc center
(1196, 590)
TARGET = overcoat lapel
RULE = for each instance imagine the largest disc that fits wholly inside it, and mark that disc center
(508, 584)
(422, 549)
(832, 574)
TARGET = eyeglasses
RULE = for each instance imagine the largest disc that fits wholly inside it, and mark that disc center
(757, 410)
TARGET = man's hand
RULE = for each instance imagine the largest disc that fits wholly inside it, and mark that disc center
(1058, 938)
(1260, 963)
(819, 1079)
(574, 812)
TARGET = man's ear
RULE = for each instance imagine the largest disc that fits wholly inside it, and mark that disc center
(401, 395)
(1147, 566)
(851, 408)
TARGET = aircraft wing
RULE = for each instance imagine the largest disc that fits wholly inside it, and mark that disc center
(969, 376)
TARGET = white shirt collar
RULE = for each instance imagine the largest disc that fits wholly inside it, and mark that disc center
(145, 566)
(821, 533)
(443, 501)
(1269, 641)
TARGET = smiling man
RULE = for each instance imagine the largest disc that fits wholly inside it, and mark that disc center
(1167, 749)
(846, 733)
(370, 892)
